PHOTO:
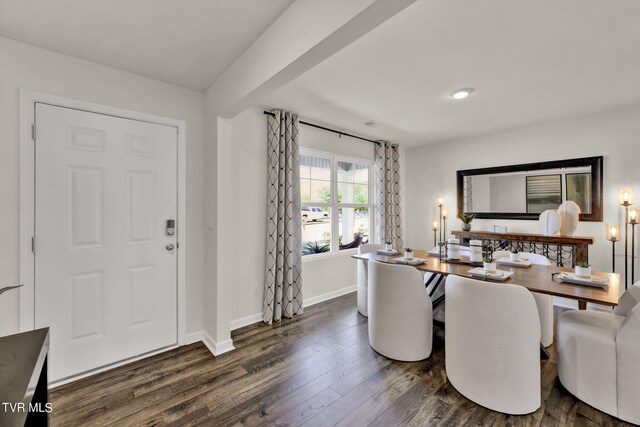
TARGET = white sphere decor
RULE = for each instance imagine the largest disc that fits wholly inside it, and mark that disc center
(549, 222)
(569, 213)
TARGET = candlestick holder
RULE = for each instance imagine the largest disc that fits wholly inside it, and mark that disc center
(613, 235)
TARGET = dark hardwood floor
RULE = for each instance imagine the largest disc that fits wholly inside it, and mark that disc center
(315, 370)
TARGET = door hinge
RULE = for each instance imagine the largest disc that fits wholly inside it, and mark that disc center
(33, 244)
(33, 132)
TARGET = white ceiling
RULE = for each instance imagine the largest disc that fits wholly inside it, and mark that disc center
(529, 62)
(185, 42)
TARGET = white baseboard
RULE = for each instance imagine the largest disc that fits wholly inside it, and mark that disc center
(193, 337)
(257, 317)
(216, 348)
(245, 321)
(329, 295)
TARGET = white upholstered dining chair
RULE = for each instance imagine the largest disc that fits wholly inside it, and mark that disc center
(363, 277)
(599, 356)
(492, 344)
(543, 302)
(400, 312)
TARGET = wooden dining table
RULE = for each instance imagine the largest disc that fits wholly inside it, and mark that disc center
(536, 278)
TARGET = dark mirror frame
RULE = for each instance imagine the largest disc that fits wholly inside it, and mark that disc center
(596, 164)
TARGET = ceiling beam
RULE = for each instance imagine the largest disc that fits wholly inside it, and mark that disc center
(306, 34)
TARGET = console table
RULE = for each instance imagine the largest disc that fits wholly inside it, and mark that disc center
(24, 392)
(561, 249)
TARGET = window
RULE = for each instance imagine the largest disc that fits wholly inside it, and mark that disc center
(336, 201)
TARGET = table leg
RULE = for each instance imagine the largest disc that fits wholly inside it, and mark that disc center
(582, 304)
(544, 354)
(433, 291)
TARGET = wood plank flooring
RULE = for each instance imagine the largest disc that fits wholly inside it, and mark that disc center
(315, 370)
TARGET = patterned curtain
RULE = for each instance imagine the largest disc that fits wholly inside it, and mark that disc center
(387, 189)
(283, 278)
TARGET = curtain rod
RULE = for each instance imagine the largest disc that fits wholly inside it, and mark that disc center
(268, 113)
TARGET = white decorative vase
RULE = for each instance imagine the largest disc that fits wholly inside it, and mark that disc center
(569, 213)
(549, 222)
(514, 257)
(489, 267)
(408, 255)
(475, 251)
(388, 246)
(584, 272)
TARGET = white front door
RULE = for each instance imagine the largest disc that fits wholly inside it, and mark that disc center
(105, 266)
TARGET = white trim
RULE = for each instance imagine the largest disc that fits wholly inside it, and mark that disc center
(217, 348)
(318, 257)
(245, 321)
(114, 365)
(329, 295)
(257, 317)
(27, 174)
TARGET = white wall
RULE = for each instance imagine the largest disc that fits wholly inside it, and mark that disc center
(245, 196)
(613, 134)
(28, 67)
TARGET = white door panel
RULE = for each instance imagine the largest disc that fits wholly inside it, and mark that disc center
(105, 283)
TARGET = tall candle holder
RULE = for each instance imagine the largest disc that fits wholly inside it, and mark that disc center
(613, 235)
(445, 215)
(440, 206)
(435, 226)
(625, 198)
(632, 219)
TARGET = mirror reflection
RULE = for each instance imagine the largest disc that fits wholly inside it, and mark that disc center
(528, 192)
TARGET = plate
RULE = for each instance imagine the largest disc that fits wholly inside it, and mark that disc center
(414, 261)
(597, 281)
(523, 263)
(386, 252)
(499, 275)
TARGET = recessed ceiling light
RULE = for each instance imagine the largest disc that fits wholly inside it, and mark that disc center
(461, 93)
(372, 124)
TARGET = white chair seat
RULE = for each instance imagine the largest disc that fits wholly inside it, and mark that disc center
(599, 358)
(587, 357)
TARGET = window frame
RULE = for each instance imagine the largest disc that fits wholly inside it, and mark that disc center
(334, 206)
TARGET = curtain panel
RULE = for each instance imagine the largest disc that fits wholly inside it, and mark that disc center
(283, 277)
(387, 190)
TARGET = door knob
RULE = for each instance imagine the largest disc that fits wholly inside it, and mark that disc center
(170, 247)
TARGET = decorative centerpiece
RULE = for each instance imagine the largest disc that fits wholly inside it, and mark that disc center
(408, 254)
(514, 255)
(489, 264)
(466, 220)
(388, 246)
(549, 222)
(583, 269)
(569, 213)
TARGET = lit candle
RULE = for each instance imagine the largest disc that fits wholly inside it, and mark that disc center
(633, 215)
(434, 224)
(613, 231)
(440, 201)
(625, 196)
(444, 213)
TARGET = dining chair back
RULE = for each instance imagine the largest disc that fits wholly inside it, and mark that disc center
(363, 276)
(400, 312)
(492, 344)
(599, 357)
(543, 302)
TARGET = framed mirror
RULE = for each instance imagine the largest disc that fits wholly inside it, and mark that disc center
(525, 191)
